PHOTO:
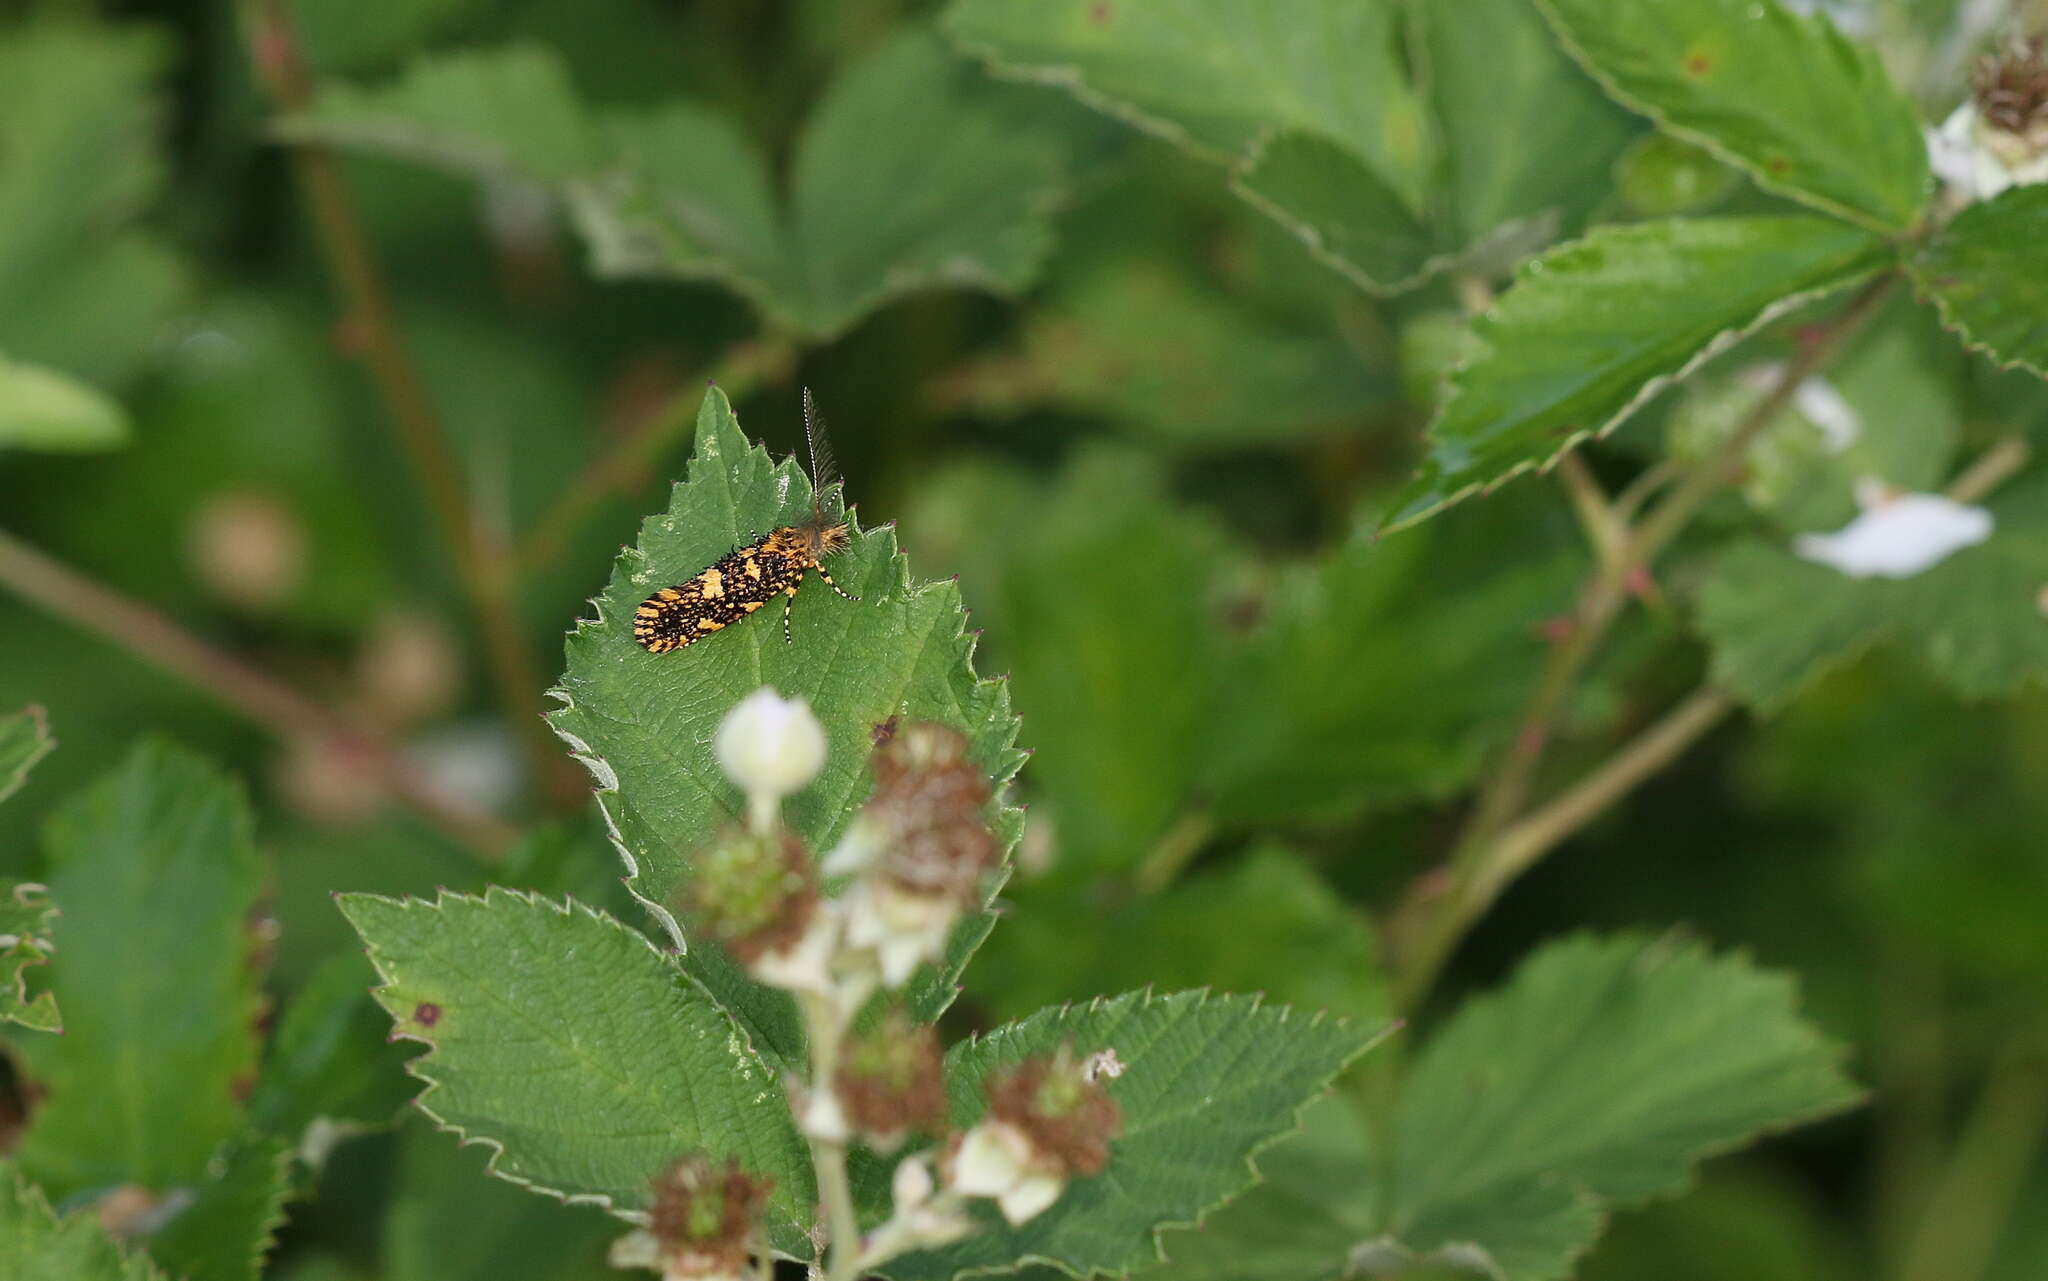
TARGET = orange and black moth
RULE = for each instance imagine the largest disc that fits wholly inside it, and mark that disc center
(741, 582)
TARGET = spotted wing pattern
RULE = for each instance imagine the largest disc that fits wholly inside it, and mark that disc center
(738, 585)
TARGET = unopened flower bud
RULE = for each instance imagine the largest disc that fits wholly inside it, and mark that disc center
(1048, 1119)
(756, 893)
(248, 548)
(769, 746)
(701, 1223)
(892, 1081)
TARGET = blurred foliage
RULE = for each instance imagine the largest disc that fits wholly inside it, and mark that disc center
(1126, 361)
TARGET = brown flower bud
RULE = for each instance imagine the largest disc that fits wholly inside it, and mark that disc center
(2012, 86)
(892, 1081)
(927, 813)
(1069, 1117)
(755, 894)
(703, 1217)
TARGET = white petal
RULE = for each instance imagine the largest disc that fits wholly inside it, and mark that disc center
(636, 1249)
(1820, 404)
(806, 965)
(824, 1119)
(1030, 1197)
(990, 1160)
(1899, 538)
(911, 1185)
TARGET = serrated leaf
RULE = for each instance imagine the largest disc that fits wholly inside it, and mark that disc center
(1988, 273)
(915, 172)
(1265, 922)
(585, 1055)
(1805, 111)
(1605, 1068)
(1225, 79)
(1388, 673)
(157, 875)
(25, 942)
(232, 1220)
(644, 722)
(85, 291)
(1525, 134)
(1774, 621)
(1208, 1083)
(1594, 328)
(329, 1059)
(36, 1245)
(43, 410)
(447, 1222)
(24, 739)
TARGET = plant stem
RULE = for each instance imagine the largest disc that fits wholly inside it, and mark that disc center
(826, 1028)
(1519, 846)
(483, 565)
(1959, 1224)
(769, 358)
(1604, 530)
(1481, 866)
(1174, 851)
(257, 696)
(1993, 468)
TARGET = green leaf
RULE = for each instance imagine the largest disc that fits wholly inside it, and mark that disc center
(1605, 1069)
(330, 1061)
(1208, 1083)
(1775, 621)
(1388, 672)
(1525, 135)
(1310, 98)
(644, 722)
(26, 940)
(571, 1044)
(1988, 273)
(24, 740)
(915, 172)
(1264, 922)
(44, 410)
(158, 876)
(1596, 1079)
(1803, 110)
(86, 292)
(36, 1245)
(232, 1221)
(447, 1222)
(1593, 329)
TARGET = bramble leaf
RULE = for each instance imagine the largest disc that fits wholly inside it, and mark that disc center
(1597, 1078)
(447, 1222)
(36, 1245)
(329, 1059)
(1805, 111)
(157, 875)
(1308, 103)
(232, 1220)
(584, 1054)
(1209, 1082)
(1594, 328)
(644, 722)
(1988, 273)
(1775, 621)
(915, 172)
(25, 942)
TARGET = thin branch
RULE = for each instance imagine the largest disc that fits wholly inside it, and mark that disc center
(1993, 468)
(257, 696)
(745, 367)
(1604, 528)
(1483, 863)
(483, 565)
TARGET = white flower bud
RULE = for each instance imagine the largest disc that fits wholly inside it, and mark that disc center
(769, 746)
(997, 1159)
(1897, 535)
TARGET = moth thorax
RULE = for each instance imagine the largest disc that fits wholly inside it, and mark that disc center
(813, 540)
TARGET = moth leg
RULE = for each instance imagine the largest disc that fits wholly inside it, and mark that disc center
(788, 603)
(834, 586)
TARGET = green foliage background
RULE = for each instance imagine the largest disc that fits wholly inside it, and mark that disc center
(1138, 336)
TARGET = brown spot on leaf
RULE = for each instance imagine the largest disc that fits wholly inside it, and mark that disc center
(426, 1014)
(1697, 64)
(1778, 165)
(1099, 13)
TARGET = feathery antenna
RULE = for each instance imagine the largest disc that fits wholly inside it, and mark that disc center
(824, 472)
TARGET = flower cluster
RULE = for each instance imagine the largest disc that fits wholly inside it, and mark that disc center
(844, 936)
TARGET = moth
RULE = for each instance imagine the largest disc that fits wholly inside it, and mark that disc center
(742, 581)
